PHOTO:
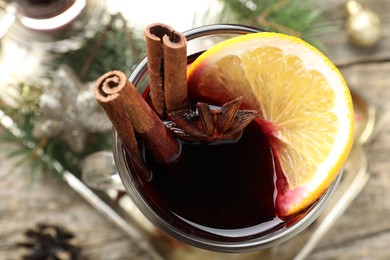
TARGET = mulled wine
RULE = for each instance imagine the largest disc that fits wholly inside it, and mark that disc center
(223, 190)
(217, 195)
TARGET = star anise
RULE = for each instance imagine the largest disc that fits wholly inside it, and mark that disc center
(208, 125)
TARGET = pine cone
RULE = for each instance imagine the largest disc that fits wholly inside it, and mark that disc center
(46, 242)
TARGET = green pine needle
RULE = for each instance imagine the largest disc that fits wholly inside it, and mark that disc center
(294, 17)
(114, 47)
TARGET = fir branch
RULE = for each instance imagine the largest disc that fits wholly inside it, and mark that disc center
(294, 17)
(44, 154)
(114, 47)
(29, 151)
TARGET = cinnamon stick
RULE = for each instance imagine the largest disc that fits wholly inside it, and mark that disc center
(166, 50)
(130, 113)
(155, 53)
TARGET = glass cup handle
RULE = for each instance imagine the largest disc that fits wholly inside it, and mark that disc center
(99, 172)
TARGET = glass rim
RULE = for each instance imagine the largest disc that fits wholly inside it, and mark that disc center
(271, 238)
(196, 33)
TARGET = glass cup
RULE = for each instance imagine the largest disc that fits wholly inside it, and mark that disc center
(199, 40)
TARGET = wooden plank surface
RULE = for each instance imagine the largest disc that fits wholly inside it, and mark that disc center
(45, 199)
(362, 232)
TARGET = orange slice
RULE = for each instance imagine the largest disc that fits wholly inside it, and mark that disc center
(304, 102)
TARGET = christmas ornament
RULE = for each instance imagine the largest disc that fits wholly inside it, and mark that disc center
(68, 109)
(363, 27)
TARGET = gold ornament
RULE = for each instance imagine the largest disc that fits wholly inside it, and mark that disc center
(363, 27)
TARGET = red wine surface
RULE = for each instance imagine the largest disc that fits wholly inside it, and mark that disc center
(218, 189)
(223, 190)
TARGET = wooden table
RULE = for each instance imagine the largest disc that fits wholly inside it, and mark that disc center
(362, 232)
